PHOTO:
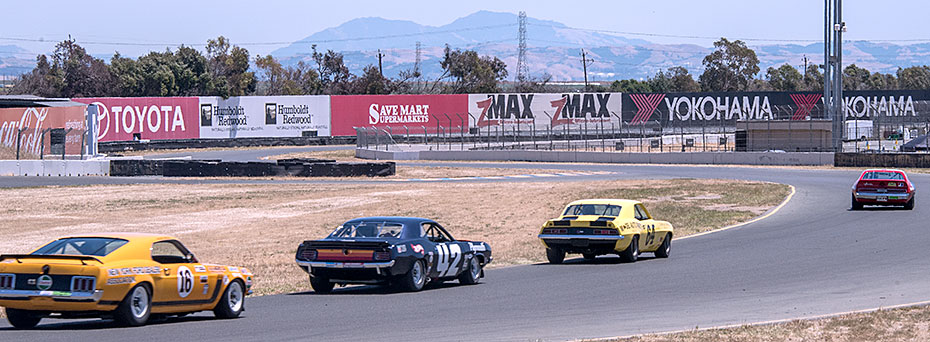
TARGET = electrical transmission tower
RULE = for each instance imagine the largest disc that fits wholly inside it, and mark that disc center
(522, 70)
(416, 65)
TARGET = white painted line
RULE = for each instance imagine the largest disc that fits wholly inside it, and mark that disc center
(544, 175)
(520, 176)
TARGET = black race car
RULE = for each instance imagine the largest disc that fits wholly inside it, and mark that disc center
(407, 252)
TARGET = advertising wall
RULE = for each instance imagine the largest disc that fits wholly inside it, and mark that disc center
(416, 112)
(264, 116)
(543, 110)
(37, 119)
(153, 118)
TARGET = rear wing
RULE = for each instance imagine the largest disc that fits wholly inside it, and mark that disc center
(19, 257)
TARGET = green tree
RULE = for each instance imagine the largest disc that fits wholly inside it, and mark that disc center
(879, 81)
(229, 68)
(915, 78)
(813, 78)
(785, 78)
(681, 80)
(731, 67)
(371, 82)
(468, 72)
(335, 78)
(44, 80)
(631, 86)
(855, 78)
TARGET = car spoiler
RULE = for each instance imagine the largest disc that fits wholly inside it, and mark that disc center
(336, 244)
(82, 258)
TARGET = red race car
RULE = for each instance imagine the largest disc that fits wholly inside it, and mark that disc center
(883, 187)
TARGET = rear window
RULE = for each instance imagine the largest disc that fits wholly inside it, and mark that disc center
(883, 175)
(593, 209)
(81, 246)
(369, 229)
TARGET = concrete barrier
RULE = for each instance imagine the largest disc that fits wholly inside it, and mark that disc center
(917, 160)
(54, 168)
(720, 158)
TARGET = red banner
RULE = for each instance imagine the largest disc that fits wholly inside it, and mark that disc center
(415, 112)
(153, 118)
(28, 124)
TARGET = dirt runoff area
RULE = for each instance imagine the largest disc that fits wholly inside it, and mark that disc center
(260, 226)
(896, 325)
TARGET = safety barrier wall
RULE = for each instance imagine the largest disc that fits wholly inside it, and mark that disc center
(883, 160)
(54, 168)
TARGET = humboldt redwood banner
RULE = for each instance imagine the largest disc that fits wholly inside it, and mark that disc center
(37, 119)
(725, 108)
(154, 118)
(415, 112)
(264, 116)
(544, 110)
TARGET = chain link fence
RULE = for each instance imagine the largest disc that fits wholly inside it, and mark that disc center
(38, 144)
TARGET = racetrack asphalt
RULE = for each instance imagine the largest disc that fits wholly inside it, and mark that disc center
(812, 257)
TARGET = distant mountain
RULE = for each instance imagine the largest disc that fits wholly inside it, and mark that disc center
(15, 60)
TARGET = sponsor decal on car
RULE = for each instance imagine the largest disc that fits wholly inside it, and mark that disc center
(225, 280)
(200, 269)
(401, 248)
(477, 247)
(233, 269)
(185, 281)
(132, 271)
(203, 279)
(206, 287)
(417, 248)
(44, 282)
(121, 280)
(217, 269)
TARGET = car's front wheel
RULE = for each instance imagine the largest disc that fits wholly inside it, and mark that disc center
(232, 303)
(555, 255)
(473, 273)
(136, 308)
(631, 253)
(23, 319)
(321, 285)
(414, 279)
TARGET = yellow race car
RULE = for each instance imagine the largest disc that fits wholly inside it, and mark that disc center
(595, 227)
(124, 276)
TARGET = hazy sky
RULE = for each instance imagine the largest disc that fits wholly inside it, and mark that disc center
(195, 21)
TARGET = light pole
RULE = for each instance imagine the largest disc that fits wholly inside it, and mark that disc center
(833, 68)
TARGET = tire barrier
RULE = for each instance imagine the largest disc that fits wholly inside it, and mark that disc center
(882, 160)
(142, 145)
(281, 168)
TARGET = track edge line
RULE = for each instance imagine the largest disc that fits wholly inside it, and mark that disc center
(758, 218)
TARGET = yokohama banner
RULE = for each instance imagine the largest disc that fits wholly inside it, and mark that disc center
(543, 110)
(152, 118)
(264, 116)
(37, 119)
(415, 112)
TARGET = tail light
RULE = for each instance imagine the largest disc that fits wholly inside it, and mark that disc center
(7, 281)
(309, 254)
(555, 231)
(382, 256)
(606, 232)
(83, 284)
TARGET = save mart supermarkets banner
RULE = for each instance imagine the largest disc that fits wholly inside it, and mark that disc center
(153, 118)
(544, 110)
(264, 116)
(395, 112)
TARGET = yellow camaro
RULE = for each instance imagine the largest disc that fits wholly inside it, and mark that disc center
(124, 276)
(595, 227)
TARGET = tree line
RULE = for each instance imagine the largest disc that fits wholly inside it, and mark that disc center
(227, 70)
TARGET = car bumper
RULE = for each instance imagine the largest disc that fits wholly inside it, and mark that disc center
(580, 237)
(882, 197)
(339, 264)
(600, 244)
(54, 301)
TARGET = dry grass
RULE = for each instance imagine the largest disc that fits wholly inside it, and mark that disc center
(259, 226)
(337, 155)
(905, 324)
(9, 153)
(194, 150)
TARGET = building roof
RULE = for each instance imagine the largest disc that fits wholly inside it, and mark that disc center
(17, 101)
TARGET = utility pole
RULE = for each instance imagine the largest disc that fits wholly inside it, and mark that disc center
(380, 70)
(416, 65)
(805, 67)
(584, 63)
(833, 68)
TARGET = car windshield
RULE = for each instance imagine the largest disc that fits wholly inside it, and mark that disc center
(593, 209)
(883, 175)
(369, 229)
(81, 246)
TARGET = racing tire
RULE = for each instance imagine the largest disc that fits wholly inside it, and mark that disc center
(472, 274)
(589, 256)
(23, 319)
(631, 253)
(136, 308)
(665, 248)
(855, 204)
(910, 204)
(232, 303)
(555, 255)
(413, 280)
(321, 285)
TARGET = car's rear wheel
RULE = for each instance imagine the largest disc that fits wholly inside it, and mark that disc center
(473, 273)
(589, 256)
(23, 319)
(555, 255)
(631, 253)
(665, 248)
(910, 204)
(136, 308)
(232, 303)
(415, 279)
(855, 204)
(321, 285)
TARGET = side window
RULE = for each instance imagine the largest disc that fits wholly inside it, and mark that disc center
(436, 234)
(171, 252)
(638, 214)
(641, 213)
(423, 229)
